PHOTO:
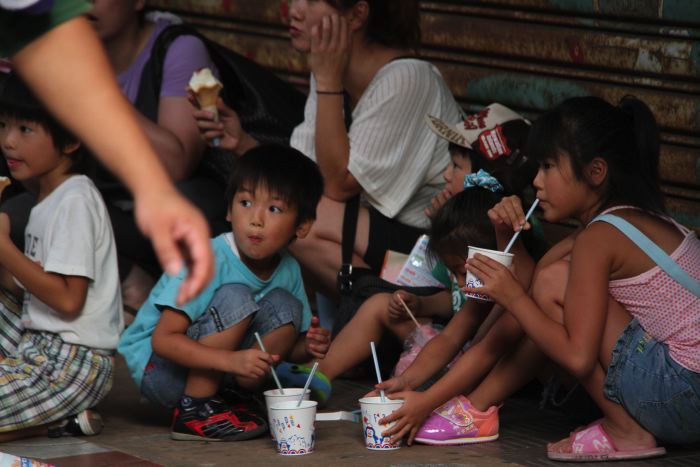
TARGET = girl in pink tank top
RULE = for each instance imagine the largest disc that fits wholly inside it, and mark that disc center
(626, 328)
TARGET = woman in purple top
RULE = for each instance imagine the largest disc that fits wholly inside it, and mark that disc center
(129, 38)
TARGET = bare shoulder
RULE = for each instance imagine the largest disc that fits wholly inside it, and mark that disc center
(597, 238)
(658, 229)
(602, 241)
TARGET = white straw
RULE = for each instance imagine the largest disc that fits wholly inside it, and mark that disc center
(308, 382)
(515, 235)
(408, 310)
(274, 373)
(376, 368)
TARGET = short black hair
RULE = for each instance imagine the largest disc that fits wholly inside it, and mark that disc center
(458, 150)
(283, 170)
(18, 102)
(462, 221)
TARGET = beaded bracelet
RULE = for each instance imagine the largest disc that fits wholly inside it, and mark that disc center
(330, 93)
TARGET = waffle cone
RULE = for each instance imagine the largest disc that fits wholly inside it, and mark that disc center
(206, 97)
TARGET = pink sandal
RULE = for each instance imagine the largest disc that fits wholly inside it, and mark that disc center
(593, 444)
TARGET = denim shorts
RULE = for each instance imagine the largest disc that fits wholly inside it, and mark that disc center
(661, 395)
(164, 381)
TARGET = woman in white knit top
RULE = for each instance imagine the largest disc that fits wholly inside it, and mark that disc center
(362, 58)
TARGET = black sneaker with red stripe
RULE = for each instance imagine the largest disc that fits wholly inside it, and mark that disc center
(239, 400)
(214, 420)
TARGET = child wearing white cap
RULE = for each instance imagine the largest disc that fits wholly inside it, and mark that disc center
(492, 140)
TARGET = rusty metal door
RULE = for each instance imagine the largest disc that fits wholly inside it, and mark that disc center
(529, 55)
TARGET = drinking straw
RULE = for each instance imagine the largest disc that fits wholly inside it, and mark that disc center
(308, 382)
(376, 368)
(515, 235)
(274, 373)
(408, 310)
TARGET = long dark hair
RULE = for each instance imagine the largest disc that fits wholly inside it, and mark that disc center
(393, 23)
(626, 136)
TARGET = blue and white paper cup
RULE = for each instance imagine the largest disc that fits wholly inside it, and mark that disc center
(373, 410)
(505, 259)
(275, 396)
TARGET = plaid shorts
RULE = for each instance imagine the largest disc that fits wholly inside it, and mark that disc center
(42, 378)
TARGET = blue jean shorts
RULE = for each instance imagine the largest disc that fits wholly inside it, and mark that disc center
(661, 395)
(164, 381)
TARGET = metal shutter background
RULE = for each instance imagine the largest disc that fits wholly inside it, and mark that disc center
(528, 55)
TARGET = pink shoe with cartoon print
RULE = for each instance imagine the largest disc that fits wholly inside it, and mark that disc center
(457, 422)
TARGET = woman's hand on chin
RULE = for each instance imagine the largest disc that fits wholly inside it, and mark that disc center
(331, 41)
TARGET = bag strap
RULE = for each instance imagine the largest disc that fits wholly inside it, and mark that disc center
(350, 215)
(352, 211)
(148, 97)
(652, 250)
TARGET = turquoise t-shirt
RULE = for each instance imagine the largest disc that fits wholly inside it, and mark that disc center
(19, 29)
(135, 343)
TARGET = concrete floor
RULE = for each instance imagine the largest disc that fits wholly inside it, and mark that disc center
(138, 435)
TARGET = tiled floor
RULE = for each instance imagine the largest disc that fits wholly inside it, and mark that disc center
(136, 435)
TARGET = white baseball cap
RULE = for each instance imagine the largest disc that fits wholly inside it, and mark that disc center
(493, 132)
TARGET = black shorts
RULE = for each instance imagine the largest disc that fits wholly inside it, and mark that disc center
(387, 234)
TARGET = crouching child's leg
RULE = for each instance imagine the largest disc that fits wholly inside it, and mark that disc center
(277, 322)
(200, 411)
(282, 322)
(44, 385)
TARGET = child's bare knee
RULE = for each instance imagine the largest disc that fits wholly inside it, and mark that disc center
(281, 340)
(377, 306)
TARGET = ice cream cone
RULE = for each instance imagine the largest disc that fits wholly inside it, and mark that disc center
(205, 88)
(206, 97)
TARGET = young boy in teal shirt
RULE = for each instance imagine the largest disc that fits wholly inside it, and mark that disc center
(179, 355)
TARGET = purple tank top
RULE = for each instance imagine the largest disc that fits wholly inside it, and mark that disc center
(185, 55)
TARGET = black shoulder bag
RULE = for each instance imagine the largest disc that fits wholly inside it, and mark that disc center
(357, 284)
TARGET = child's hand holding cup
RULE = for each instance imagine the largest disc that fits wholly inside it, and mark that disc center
(374, 409)
(474, 282)
(503, 257)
